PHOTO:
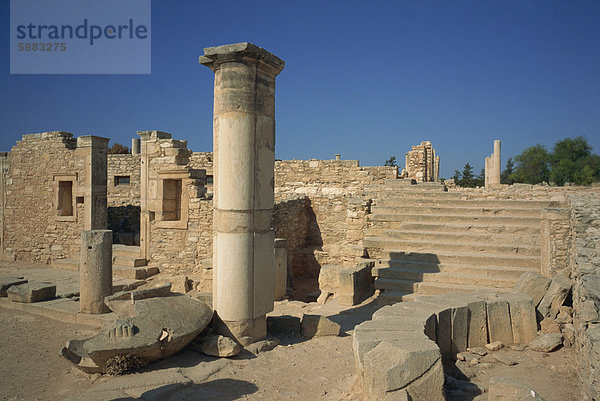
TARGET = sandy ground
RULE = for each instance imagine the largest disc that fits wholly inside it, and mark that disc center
(298, 369)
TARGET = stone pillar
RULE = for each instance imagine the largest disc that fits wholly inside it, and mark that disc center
(280, 268)
(497, 166)
(487, 170)
(95, 270)
(338, 156)
(244, 161)
(95, 149)
(136, 144)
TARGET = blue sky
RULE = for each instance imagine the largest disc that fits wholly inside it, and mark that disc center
(364, 79)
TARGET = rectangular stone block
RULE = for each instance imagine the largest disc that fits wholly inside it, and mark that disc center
(356, 284)
(31, 292)
(522, 317)
(498, 319)
(365, 340)
(478, 331)
(532, 284)
(7, 282)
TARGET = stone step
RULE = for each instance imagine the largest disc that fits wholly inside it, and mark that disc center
(126, 250)
(487, 203)
(458, 218)
(503, 272)
(410, 193)
(465, 259)
(132, 272)
(441, 236)
(479, 247)
(427, 288)
(389, 297)
(394, 273)
(131, 261)
(507, 229)
(451, 210)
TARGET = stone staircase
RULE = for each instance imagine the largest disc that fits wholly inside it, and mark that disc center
(429, 241)
(127, 263)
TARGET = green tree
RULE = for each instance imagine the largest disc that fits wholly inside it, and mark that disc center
(572, 161)
(391, 162)
(532, 165)
(466, 179)
(480, 179)
(505, 176)
(456, 177)
(117, 148)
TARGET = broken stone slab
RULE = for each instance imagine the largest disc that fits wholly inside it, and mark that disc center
(156, 329)
(365, 340)
(505, 358)
(220, 346)
(7, 282)
(494, 346)
(555, 295)
(532, 284)
(263, 345)
(546, 342)
(481, 351)
(285, 324)
(423, 313)
(31, 292)
(412, 366)
(498, 317)
(123, 302)
(501, 389)
(522, 317)
(317, 326)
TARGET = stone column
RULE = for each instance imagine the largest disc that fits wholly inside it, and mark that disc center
(487, 170)
(96, 149)
(136, 144)
(338, 156)
(244, 161)
(95, 270)
(497, 166)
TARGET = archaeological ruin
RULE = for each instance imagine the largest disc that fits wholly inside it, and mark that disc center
(456, 278)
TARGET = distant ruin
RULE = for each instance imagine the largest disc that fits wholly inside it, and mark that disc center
(422, 164)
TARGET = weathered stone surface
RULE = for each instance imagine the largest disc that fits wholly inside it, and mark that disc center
(546, 342)
(31, 292)
(157, 328)
(522, 317)
(505, 358)
(220, 346)
(532, 284)
(555, 295)
(263, 345)
(416, 367)
(7, 282)
(499, 325)
(95, 270)
(284, 324)
(123, 302)
(549, 325)
(494, 346)
(501, 389)
(317, 326)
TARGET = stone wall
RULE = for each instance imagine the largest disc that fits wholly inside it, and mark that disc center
(123, 186)
(422, 164)
(48, 195)
(556, 238)
(585, 271)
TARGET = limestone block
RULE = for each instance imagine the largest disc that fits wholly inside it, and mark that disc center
(478, 331)
(415, 366)
(31, 292)
(532, 284)
(555, 295)
(220, 346)
(501, 389)
(7, 282)
(365, 340)
(499, 325)
(317, 326)
(281, 268)
(425, 314)
(329, 278)
(546, 342)
(285, 324)
(522, 317)
(356, 284)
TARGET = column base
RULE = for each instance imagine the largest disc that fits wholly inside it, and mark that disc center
(243, 331)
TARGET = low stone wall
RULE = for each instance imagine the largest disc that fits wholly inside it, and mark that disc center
(585, 271)
(399, 353)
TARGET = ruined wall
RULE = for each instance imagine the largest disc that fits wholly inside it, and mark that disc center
(176, 213)
(338, 207)
(422, 164)
(123, 186)
(585, 271)
(48, 195)
(291, 220)
(556, 238)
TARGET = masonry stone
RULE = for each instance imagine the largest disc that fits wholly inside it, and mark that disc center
(31, 292)
(95, 270)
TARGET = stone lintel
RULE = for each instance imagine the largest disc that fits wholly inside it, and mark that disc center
(214, 56)
(153, 135)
